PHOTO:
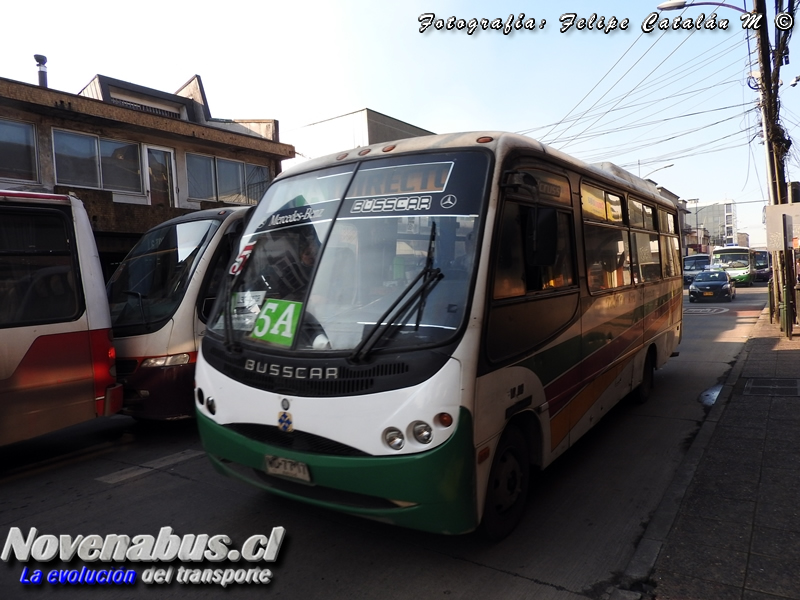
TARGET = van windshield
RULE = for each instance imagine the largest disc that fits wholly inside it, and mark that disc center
(148, 286)
(360, 256)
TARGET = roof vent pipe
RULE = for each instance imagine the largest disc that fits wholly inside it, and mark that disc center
(41, 61)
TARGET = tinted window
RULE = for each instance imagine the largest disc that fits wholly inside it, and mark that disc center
(38, 283)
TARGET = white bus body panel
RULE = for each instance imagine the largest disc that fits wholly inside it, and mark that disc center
(357, 421)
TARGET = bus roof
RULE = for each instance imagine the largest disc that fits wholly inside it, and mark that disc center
(220, 214)
(499, 142)
(35, 196)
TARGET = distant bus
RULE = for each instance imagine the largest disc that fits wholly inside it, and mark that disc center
(738, 261)
(160, 297)
(408, 328)
(694, 264)
(763, 263)
(56, 349)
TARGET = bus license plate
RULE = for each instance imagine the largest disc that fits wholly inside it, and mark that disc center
(286, 467)
(708, 293)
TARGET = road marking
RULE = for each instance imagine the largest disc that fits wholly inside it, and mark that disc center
(705, 311)
(151, 466)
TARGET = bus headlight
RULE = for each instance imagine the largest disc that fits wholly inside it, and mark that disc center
(166, 361)
(423, 432)
(394, 438)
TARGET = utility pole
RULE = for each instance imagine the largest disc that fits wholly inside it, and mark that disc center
(777, 146)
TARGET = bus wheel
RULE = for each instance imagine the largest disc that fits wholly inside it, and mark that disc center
(507, 490)
(642, 393)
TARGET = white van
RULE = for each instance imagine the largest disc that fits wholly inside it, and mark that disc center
(160, 297)
(56, 349)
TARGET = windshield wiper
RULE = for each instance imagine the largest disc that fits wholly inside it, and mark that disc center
(397, 313)
(230, 344)
(139, 296)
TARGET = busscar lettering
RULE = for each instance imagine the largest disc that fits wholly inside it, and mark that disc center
(399, 204)
(289, 372)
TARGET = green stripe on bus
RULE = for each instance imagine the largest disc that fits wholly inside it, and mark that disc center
(440, 482)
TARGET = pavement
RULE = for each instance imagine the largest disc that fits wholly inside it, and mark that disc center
(728, 526)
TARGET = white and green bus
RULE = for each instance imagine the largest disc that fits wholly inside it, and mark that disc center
(738, 261)
(410, 328)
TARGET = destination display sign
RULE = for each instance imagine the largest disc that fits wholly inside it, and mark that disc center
(401, 180)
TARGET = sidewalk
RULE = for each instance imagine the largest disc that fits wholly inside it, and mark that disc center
(729, 525)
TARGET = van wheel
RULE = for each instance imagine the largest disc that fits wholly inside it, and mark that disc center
(507, 490)
(642, 393)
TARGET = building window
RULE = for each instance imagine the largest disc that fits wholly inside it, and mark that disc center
(120, 165)
(93, 162)
(17, 150)
(230, 181)
(77, 159)
(202, 182)
(257, 182)
(225, 180)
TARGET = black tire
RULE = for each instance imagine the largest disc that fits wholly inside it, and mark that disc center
(645, 389)
(691, 299)
(508, 486)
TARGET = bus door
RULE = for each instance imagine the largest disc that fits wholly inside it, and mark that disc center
(231, 231)
(533, 318)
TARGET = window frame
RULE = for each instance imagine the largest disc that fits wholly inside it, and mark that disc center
(245, 170)
(34, 150)
(101, 184)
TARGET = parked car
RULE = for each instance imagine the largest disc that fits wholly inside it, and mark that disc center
(712, 285)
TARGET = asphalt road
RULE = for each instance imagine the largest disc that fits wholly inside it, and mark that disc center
(583, 521)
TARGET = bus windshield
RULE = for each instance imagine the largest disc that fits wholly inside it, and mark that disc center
(372, 255)
(148, 286)
(731, 259)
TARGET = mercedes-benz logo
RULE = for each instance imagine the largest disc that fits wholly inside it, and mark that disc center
(448, 201)
(285, 404)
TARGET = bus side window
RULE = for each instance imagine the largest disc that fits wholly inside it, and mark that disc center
(607, 257)
(216, 271)
(647, 256)
(534, 252)
(38, 271)
(509, 277)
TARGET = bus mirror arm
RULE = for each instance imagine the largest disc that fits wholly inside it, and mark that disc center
(517, 181)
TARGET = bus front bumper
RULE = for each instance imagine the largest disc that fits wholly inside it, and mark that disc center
(430, 491)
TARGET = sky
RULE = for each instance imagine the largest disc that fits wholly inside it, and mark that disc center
(675, 106)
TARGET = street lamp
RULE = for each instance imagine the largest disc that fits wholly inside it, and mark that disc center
(679, 4)
(658, 169)
(696, 222)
